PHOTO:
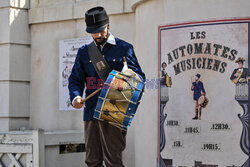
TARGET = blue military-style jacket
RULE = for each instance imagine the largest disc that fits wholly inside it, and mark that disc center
(198, 88)
(84, 76)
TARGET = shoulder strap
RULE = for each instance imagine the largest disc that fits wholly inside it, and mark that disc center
(99, 62)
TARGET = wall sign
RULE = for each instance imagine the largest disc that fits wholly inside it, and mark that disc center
(203, 97)
(68, 50)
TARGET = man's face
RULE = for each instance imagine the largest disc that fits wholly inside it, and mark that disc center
(196, 78)
(240, 64)
(164, 66)
(101, 37)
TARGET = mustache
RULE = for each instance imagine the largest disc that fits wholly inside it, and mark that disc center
(100, 38)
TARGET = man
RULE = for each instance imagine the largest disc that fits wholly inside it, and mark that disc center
(163, 71)
(164, 87)
(199, 90)
(240, 75)
(104, 142)
(165, 79)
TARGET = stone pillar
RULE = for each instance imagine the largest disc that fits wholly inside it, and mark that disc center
(14, 64)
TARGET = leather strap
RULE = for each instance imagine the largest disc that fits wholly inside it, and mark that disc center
(99, 62)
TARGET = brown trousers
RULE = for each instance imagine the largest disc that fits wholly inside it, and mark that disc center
(104, 142)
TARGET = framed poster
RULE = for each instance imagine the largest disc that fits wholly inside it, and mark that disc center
(204, 94)
(68, 50)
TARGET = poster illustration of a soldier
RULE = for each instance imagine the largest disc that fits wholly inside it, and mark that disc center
(240, 74)
(199, 96)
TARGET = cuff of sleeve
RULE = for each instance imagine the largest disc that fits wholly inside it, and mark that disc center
(73, 101)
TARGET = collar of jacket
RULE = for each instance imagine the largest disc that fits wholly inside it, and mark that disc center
(111, 39)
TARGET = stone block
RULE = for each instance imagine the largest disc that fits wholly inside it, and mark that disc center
(111, 6)
(4, 122)
(58, 12)
(19, 62)
(134, 3)
(66, 160)
(13, 124)
(46, 3)
(18, 123)
(15, 62)
(81, 28)
(14, 27)
(4, 63)
(66, 11)
(19, 26)
(24, 4)
(36, 15)
(34, 4)
(4, 3)
(4, 26)
(14, 99)
(19, 99)
(4, 99)
(128, 6)
(123, 26)
(81, 7)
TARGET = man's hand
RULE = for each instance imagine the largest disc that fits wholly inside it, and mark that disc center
(78, 103)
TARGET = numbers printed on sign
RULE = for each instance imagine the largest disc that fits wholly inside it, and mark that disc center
(194, 130)
(172, 123)
(177, 144)
(211, 146)
(220, 126)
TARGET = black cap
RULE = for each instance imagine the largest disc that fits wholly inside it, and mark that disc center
(198, 75)
(240, 59)
(96, 19)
